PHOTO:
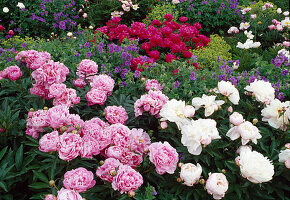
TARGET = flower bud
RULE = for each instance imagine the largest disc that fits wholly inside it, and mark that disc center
(113, 172)
(202, 181)
(189, 111)
(255, 121)
(77, 127)
(237, 161)
(50, 197)
(45, 108)
(164, 125)
(143, 78)
(230, 109)
(74, 132)
(224, 171)
(179, 180)
(91, 27)
(102, 162)
(51, 183)
(180, 164)
(287, 146)
(63, 129)
(104, 114)
(131, 193)
(31, 110)
(236, 119)
(210, 91)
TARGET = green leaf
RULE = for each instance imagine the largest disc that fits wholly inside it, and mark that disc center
(3, 151)
(38, 185)
(41, 176)
(3, 186)
(19, 157)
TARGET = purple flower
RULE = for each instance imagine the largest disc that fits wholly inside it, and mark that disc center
(77, 54)
(101, 47)
(117, 70)
(284, 72)
(124, 83)
(87, 45)
(24, 45)
(192, 76)
(176, 84)
(137, 74)
(89, 54)
(199, 13)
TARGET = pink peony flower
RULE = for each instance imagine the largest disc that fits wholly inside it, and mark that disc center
(271, 27)
(80, 83)
(87, 68)
(56, 90)
(151, 102)
(127, 179)
(69, 146)
(32, 132)
(169, 58)
(109, 165)
(90, 147)
(65, 194)
(152, 84)
(140, 140)
(79, 179)
(217, 185)
(103, 82)
(154, 54)
(58, 116)
(12, 73)
(48, 142)
(50, 197)
(96, 96)
(114, 152)
(131, 158)
(116, 114)
(168, 17)
(183, 19)
(121, 135)
(37, 121)
(163, 156)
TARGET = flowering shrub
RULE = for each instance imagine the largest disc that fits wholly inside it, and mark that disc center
(178, 38)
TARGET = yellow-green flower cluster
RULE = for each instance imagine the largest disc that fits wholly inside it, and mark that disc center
(207, 56)
(257, 8)
(17, 42)
(159, 11)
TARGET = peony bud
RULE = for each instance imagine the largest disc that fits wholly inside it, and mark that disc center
(85, 15)
(63, 129)
(104, 114)
(45, 108)
(69, 34)
(164, 125)
(77, 127)
(237, 161)
(188, 111)
(102, 162)
(31, 110)
(236, 119)
(51, 183)
(230, 109)
(113, 172)
(50, 197)
(179, 180)
(224, 171)
(255, 121)
(210, 91)
(131, 193)
(180, 164)
(202, 181)
(287, 146)
(75, 132)
(91, 27)
(11, 32)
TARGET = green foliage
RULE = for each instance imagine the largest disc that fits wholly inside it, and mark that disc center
(159, 11)
(257, 9)
(207, 56)
(212, 17)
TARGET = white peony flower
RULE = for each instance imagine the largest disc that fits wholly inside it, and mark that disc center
(286, 13)
(262, 90)
(175, 1)
(248, 44)
(217, 185)
(126, 7)
(254, 166)
(244, 25)
(279, 10)
(227, 89)
(285, 22)
(135, 7)
(284, 156)
(271, 114)
(249, 34)
(247, 131)
(20, 5)
(5, 10)
(233, 30)
(198, 132)
(190, 173)
(208, 102)
(173, 111)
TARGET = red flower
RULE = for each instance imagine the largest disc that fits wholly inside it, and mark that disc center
(156, 22)
(175, 72)
(187, 54)
(11, 32)
(154, 54)
(168, 17)
(1, 28)
(183, 19)
(169, 57)
(196, 66)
